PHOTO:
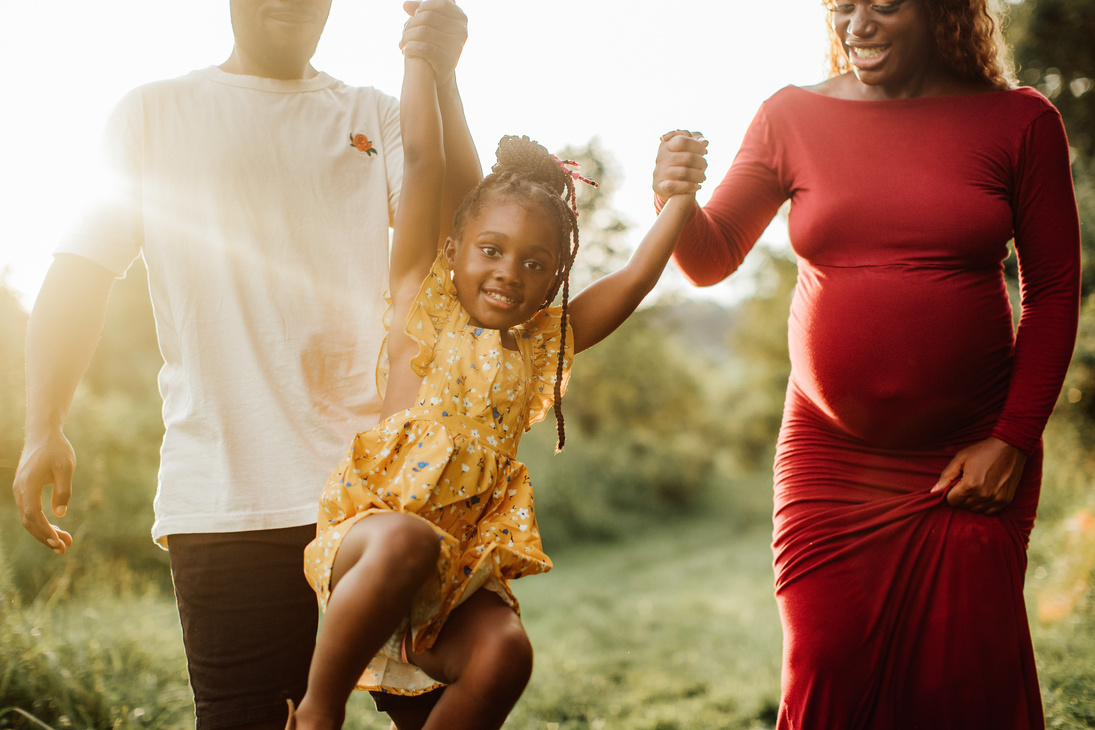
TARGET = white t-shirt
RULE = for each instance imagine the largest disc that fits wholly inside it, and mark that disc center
(265, 233)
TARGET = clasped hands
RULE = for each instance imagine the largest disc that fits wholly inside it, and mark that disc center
(681, 165)
(436, 32)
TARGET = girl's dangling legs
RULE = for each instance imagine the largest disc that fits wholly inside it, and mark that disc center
(382, 562)
(485, 657)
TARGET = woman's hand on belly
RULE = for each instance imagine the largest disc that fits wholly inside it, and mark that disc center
(982, 477)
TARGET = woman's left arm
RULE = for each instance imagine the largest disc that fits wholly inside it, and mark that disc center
(984, 476)
(606, 303)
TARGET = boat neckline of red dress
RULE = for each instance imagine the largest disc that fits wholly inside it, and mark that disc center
(909, 99)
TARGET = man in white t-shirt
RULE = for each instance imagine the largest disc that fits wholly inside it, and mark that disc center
(259, 193)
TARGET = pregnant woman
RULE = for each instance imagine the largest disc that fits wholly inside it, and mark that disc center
(909, 459)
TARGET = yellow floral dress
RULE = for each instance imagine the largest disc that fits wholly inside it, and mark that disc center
(450, 460)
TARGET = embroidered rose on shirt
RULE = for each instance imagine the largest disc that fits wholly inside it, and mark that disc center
(362, 143)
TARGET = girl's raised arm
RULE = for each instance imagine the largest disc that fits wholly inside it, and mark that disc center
(604, 305)
(418, 219)
(417, 222)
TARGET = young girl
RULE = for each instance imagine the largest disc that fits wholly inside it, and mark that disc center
(430, 515)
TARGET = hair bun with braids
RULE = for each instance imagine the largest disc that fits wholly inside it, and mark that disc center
(529, 159)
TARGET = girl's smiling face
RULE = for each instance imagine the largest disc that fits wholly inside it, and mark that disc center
(505, 263)
(889, 43)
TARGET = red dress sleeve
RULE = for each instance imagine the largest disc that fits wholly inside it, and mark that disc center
(719, 235)
(1047, 244)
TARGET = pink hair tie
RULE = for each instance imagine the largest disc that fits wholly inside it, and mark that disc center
(566, 166)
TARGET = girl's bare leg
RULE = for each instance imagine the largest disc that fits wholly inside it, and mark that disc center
(382, 562)
(485, 657)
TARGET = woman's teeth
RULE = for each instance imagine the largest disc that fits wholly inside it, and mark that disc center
(868, 53)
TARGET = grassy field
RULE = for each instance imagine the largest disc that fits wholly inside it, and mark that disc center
(674, 629)
(677, 631)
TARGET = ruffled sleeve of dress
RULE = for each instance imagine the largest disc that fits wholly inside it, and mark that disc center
(435, 305)
(540, 339)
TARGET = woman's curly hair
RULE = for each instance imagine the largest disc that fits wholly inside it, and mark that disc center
(968, 37)
(526, 173)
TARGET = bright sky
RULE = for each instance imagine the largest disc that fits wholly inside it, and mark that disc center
(562, 72)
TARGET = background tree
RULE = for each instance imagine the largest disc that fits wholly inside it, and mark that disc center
(603, 249)
(1052, 42)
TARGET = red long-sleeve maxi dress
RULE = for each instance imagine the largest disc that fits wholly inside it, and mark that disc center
(898, 610)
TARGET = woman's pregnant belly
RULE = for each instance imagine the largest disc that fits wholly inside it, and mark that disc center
(902, 356)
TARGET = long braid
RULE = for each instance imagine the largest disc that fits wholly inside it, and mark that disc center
(560, 422)
(568, 263)
(526, 171)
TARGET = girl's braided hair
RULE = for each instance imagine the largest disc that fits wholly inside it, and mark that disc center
(527, 173)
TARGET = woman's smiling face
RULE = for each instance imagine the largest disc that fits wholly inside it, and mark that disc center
(890, 45)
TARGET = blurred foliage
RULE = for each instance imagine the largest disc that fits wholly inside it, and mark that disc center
(128, 358)
(631, 448)
(1052, 45)
(13, 328)
(116, 428)
(602, 248)
(749, 399)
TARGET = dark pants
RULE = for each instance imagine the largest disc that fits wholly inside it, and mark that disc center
(249, 623)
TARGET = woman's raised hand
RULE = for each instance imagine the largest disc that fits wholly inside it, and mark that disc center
(983, 477)
(681, 167)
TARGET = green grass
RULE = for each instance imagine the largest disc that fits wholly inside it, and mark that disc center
(678, 629)
(106, 659)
